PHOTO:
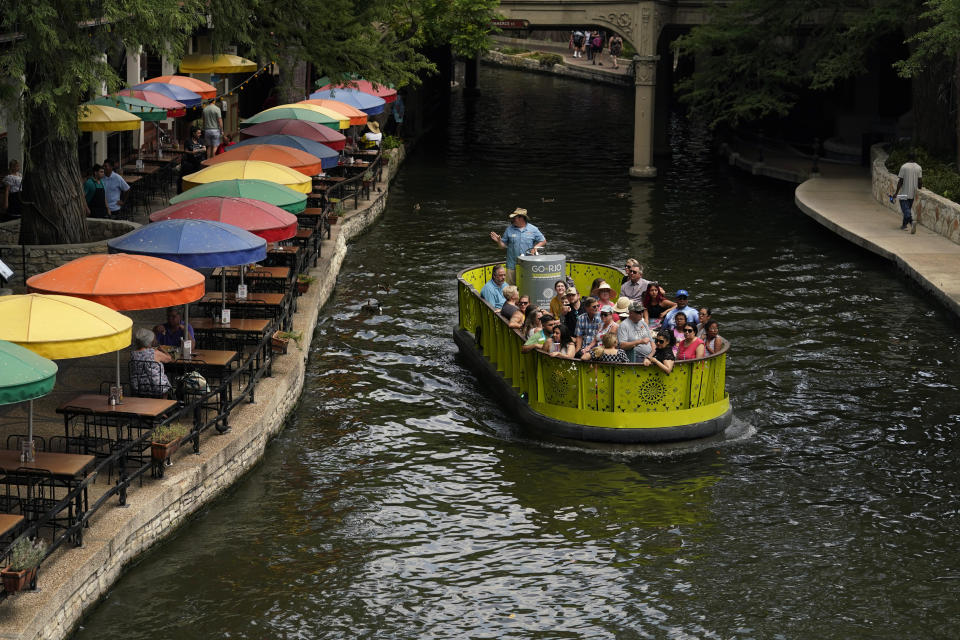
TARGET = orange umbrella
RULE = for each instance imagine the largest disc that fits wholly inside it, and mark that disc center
(356, 116)
(206, 90)
(306, 163)
(122, 281)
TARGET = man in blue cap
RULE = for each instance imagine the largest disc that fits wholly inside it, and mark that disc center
(690, 312)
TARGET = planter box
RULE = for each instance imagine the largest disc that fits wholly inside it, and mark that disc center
(14, 581)
(161, 452)
(303, 287)
(278, 344)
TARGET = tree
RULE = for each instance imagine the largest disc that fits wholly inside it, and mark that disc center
(937, 40)
(53, 61)
(754, 57)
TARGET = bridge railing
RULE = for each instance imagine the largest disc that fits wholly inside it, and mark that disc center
(586, 392)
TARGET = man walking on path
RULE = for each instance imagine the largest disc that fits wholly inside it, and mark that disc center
(212, 127)
(910, 180)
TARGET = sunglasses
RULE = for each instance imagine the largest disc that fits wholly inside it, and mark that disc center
(635, 271)
(522, 303)
(688, 330)
(605, 313)
(659, 341)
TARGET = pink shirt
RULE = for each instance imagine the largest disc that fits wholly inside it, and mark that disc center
(688, 351)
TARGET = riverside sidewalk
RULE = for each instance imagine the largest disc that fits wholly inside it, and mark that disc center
(843, 202)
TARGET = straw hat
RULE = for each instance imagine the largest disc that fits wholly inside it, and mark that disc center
(604, 285)
(374, 126)
(623, 306)
(519, 212)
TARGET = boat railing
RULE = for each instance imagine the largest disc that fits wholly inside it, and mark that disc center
(587, 392)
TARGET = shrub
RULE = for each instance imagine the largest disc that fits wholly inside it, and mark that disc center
(513, 51)
(169, 432)
(547, 59)
(27, 554)
(939, 173)
(391, 142)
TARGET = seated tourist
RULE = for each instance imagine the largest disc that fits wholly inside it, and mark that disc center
(557, 302)
(532, 330)
(594, 286)
(608, 351)
(148, 379)
(605, 295)
(634, 284)
(704, 314)
(630, 264)
(622, 308)
(680, 323)
(561, 344)
(662, 356)
(588, 322)
(571, 310)
(171, 333)
(492, 292)
(511, 310)
(712, 342)
(691, 346)
(635, 335)
(656, 305)
(608, 324)
(683, 308)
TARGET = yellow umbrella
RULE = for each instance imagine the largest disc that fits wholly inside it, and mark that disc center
(220, 63)
(344, 121)
(250, 170)
(58, 327)
(99, 117)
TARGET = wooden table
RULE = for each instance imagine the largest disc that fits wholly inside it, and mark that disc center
(274, 279)
(288, 255)
(148, 169)
(67, 470)
(94, 403)
(240, 330)
(9, 523)
(273, 304)
(211, 363)
(99, 417)
(132, 180)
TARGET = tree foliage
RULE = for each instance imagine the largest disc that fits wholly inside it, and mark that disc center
(754, 57)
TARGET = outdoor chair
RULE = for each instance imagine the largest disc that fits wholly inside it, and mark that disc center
(15, 442)
(146, 379)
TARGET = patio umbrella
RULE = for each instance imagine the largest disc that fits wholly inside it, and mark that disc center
(24, 376)
(141, 108)
(219, 63)
(294, 113)
(206, 90)
(245, 169)
(174, 108)
(370, 105)
(98, 117)
(328, 157)
(269, 192)
(271, 223)
(200, 244)
(123, 283)
(305, 163)
(343, 122)
(356, 116)
(173, 91)
(387, 94)
(300, 128)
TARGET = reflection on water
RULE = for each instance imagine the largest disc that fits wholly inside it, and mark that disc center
(401, 502)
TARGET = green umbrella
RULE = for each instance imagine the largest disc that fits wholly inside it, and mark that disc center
(294, 113)
(146, 110)
(262, 190)
(23, 374)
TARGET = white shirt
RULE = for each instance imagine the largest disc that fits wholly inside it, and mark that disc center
(910, 173)
(113, 186)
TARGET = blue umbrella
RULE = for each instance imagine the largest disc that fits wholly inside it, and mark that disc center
(328, 157)
(198, 244)
(172, 91)
(370, 105)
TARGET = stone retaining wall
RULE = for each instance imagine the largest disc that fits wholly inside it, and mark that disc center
(194, 480)
(29, 260)
(530, 64)
(934, 212)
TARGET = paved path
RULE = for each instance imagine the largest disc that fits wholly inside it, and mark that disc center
(844, 204)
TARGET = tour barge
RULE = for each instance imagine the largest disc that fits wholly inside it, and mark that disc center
(587, 401)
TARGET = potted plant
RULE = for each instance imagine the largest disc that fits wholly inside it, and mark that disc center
(25, 557)
(165, 441)
(367, 179)
(280, 340)
(303, 283)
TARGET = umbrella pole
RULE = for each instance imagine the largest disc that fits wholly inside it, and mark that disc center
(223, 291)
(28, 454)
(119, 393)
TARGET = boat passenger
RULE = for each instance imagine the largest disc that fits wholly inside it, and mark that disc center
(532, 330)
(705, 315)
(558, 301)
(656, 304)
(634, 284)
(608, 322)
(608, 351)
(561, 344)
(149, 379)
(663, 354)
(630, 264)
(492, 292)
(170, 334)
(680, 322)
(622, 308)
(713, 343)
(681, 307)
(596, 285)
(571, 310)
(691, 347)
(588, 322)
(511, 311)
(605, 295)
(635, 335)
(519, 238)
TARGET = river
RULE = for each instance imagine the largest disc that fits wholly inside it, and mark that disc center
(401, 502)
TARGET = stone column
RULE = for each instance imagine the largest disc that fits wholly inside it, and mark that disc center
(133, 78)
(645, 81)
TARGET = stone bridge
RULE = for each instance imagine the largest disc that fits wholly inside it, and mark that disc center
(646, 25)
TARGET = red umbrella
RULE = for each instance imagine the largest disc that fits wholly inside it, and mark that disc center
(174, 109)
(386, 93)
(310, 130)
(271, 223)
